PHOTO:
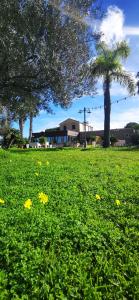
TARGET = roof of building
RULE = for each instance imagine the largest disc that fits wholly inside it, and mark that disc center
(54, 133)
(69, 119)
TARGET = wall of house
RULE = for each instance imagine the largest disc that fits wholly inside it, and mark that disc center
(70, 125)
(74, 126)
(82, 127)
(121, 134)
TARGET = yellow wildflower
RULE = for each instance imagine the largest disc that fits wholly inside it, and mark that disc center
(39, 163)
(37, 174)
(98, 197)
(28, 204)
(47, 163)
(2, 201)
(117, 202)
(43, 197)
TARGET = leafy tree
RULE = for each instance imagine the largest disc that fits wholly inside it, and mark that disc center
(42, 45)
(25, 107)
(42, 140)
(133, 125)
(19, 109)
(135, 139)
(91, 138)
(11, 136)
(5, 117)
(107, 66)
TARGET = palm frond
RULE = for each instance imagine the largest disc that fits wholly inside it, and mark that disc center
(98, 68)
(121, 50)
(102, 49)
(125, 79)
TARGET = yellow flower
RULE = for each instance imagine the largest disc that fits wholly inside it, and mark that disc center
(98, 197)
(2, 201)
(43, 197)
(39, 163)
(28, 204)
(47, 163)
(37, 174)
(117, 202)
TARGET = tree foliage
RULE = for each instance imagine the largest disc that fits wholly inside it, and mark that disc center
(133, 125)
(12, 136)
(135, 139)
(42, 44)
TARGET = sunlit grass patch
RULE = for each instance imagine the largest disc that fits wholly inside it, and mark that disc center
(69, 228)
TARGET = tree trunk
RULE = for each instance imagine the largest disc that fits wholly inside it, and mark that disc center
(10, 143)
(107, 111)
(30, 126)
(21, 126)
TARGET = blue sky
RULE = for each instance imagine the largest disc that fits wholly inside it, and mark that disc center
(120, 22)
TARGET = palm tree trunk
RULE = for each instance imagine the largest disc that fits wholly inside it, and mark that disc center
(107, 111)
(30, 126)
(21, 126)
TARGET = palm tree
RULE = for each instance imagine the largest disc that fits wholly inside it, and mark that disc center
(107, 66)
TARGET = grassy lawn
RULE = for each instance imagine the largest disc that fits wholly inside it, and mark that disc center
(81, 244)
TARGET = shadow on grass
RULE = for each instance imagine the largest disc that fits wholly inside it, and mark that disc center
(90, 149)
(121, 149)
(32, 150)
(130, 148)
(23, 151)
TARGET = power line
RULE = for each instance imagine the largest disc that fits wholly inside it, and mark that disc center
(113, 102)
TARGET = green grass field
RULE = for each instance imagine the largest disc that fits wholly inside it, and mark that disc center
(83, 242)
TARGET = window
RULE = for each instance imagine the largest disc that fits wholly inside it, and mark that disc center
(73, 126)
(65, 127)
(65, 139)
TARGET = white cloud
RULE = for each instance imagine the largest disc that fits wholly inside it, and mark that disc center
(121, 119)
(44, 124)
(117, 120)
(128, 30)
(96, 120)
(112, 26)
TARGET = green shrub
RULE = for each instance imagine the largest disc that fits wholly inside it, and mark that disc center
(42, 140)
(113, 140)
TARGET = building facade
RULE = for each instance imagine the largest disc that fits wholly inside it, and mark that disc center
(71, 132)
(66, 134)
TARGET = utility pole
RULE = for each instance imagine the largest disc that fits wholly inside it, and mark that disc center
(84, 111)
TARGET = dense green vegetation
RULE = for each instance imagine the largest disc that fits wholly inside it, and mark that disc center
(83, 242)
